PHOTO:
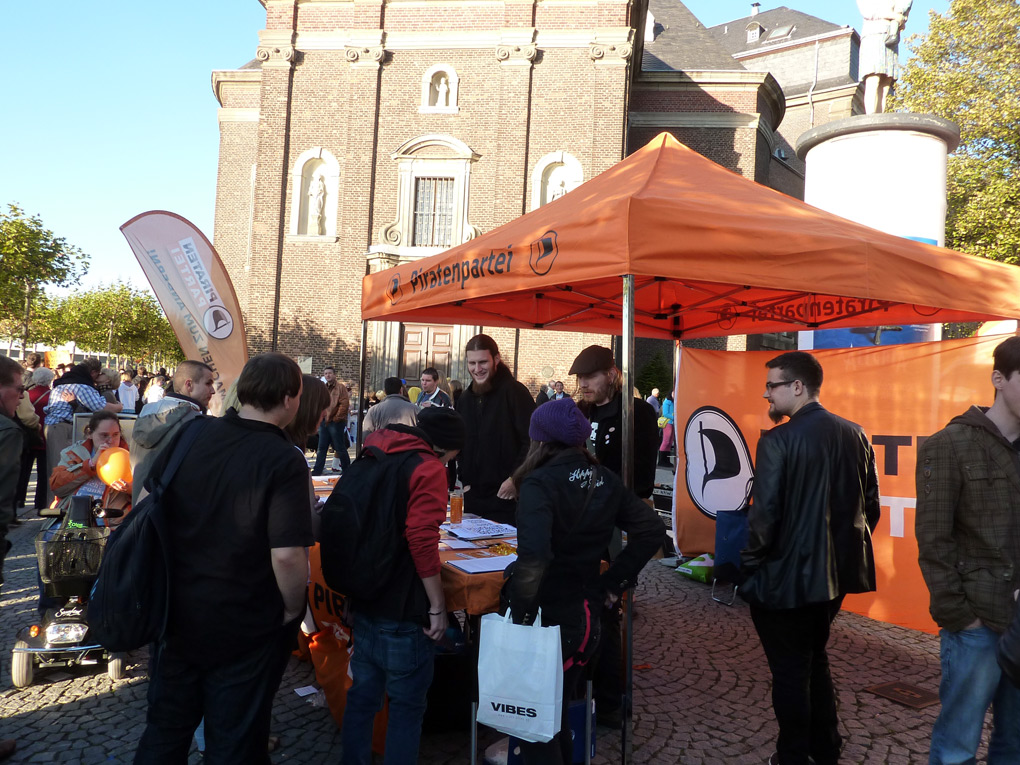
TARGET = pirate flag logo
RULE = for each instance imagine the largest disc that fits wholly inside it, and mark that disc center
(393, 291)
(719, 469)
(218, 322)
(543, 253)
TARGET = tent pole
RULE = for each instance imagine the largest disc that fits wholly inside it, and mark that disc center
(362, 398)
(627, 401)
(517, 350)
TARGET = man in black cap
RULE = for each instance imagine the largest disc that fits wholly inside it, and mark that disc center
(600, 384)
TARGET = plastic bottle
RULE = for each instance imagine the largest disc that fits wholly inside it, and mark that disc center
(457, 505)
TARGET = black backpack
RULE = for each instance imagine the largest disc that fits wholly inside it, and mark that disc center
(362, 535)
(130, 601)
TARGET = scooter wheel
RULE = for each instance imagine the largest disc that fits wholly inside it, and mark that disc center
(22, 666)
(115, 666)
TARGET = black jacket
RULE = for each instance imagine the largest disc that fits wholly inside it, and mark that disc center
(560, 541)
(497, 439)
(815, 507)
(607, 432)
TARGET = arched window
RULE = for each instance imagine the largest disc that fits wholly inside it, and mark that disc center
(440, 88)
(556, 174)
(315, 189)
(433, 181)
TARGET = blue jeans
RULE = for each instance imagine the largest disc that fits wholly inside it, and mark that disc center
(395, 658)
(971, 681)
(331, 433)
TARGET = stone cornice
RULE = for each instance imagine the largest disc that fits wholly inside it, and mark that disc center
(341, 39)
(612, 47)
(248, 114)
(223, 77)
(276, 49)
(516, 47)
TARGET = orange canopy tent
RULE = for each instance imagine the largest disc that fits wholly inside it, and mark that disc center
(711, 253)
(669, 244)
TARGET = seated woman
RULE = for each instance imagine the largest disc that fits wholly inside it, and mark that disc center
(567, 508)
(75, 475)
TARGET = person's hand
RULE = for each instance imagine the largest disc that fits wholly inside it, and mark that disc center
(425, 404)
(507, 489)
(120, 486)
(66, 394)
(437, 624)
(611, 600)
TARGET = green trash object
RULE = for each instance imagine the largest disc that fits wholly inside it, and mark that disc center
(700, 569)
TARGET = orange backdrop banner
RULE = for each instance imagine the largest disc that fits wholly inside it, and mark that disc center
(899, 394)
(195, 292)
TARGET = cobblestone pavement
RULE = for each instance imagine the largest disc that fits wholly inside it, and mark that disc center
(701, 688)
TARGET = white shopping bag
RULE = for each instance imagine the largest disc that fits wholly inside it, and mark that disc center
(520, 678)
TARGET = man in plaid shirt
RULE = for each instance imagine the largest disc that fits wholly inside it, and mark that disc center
(968, 537)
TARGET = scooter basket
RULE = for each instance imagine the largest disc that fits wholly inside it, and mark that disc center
(71, 554)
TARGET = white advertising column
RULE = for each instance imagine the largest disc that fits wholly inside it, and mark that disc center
(887, 171)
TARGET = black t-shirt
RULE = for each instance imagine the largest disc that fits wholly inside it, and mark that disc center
(242, 491)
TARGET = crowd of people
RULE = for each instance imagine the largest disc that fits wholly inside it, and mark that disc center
(245, 513)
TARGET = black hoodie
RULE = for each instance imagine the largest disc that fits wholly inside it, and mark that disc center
(497, 439)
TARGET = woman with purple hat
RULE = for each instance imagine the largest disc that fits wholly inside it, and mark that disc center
(566, 512)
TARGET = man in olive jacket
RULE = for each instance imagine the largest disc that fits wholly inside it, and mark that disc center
(815, 506)
(968, 538)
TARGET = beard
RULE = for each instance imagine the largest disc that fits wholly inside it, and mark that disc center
(481, 388)
(775, 416)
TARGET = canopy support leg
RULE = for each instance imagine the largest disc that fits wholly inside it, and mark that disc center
(362, 396)
(627, 402)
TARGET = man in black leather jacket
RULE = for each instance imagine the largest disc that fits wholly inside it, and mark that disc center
(815, 507)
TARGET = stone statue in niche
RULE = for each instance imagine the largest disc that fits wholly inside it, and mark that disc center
(880, 55)
(557, 190)
(317, 206)
(443, 91)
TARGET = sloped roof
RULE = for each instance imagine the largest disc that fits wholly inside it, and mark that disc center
(682, 42)
(732, 36)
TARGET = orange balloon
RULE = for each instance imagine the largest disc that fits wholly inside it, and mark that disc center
(114, 465)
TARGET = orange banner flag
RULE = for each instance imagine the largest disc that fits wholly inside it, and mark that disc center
(195, 292)
(899, 394)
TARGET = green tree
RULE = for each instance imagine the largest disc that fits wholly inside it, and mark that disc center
(32, 257)
(967, 69)
(115, 319)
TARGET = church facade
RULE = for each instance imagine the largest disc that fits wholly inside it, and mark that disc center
(368, 133)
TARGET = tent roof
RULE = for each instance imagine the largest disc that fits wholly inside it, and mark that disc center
(712, 254)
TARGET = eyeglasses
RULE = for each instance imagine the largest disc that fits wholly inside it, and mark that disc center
(770, 386)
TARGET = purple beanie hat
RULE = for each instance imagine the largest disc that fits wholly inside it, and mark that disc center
(559, 420)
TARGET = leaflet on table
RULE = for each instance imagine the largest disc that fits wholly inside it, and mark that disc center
(479, 528)
(483, 565)
(458, 544)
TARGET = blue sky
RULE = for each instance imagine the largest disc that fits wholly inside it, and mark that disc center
(110, 111)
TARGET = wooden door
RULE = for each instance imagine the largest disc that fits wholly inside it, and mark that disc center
(426, 345)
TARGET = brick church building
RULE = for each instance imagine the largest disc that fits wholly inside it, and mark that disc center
(367, 133)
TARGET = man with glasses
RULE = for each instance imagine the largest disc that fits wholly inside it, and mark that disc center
(815, 506)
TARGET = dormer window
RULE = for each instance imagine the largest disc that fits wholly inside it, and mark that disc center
(754, 30)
